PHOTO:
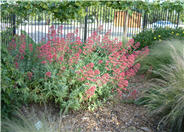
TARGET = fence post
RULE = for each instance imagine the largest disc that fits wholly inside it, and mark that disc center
(14, 24)
(85, 25)
(144, 21)
(178, 19)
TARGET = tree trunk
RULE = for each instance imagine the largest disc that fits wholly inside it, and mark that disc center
(125, 24)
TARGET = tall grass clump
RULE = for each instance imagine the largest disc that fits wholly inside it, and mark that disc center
(160, 55)
(36, 121)
(166, 95)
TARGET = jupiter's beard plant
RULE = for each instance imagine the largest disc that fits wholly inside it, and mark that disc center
(76, 74)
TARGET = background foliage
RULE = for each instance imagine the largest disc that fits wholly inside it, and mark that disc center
(150, 37)
(73, 9)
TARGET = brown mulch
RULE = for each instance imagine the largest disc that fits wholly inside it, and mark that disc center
(112, 118)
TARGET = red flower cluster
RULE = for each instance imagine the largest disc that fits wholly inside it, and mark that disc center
(87, 73)
(120, 62)
(56, 49)
(48, 74)
(29, 74)
(91, 91)
(21, 48)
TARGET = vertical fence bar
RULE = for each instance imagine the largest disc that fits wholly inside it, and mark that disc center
(118, 16)
(20, 26)
(35, 27)
(108, 18)
(175, 18)
(162, 17)
(43, 24)
(97, 17)
(105, 17)
(101, 15)
(14, 26)
(80, 23)
(85, 25)
(1, 28)
(119, 23)
(103, 21)
(58, 28)
(139, 22)
(5, 21)
(38, 24)
(94, 10)
(112, 20)
(144, 21)
(134, 31)
(46, 26)
(88, 22)
(134, 26)
(27, 26)
(136, 22)
(74, 21)
(130, 25)
(7, 26)
(171, 17)
(123, 19)
(178, 19)
(168, 16)
(90, 12)
(4, 25)
(115, 22)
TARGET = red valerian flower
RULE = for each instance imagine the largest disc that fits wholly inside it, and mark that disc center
(100, 61)
(29, 74)
(48, 74)
(97, 72)
(31, 47)
(16, 65)
(43, 62)
(91, 91)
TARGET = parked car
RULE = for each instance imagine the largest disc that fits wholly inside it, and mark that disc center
(162, 24)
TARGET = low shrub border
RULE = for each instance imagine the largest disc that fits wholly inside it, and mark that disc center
(73, 74)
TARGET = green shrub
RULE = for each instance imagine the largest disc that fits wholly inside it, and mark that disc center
(13, 89)
(16, 88)
(6, 36)
(166, 96)
(150, 37)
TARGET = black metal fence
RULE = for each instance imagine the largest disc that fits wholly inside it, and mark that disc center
(121, 24)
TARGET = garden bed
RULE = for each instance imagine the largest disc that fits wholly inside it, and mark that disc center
(111, 117)
(115, 115)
